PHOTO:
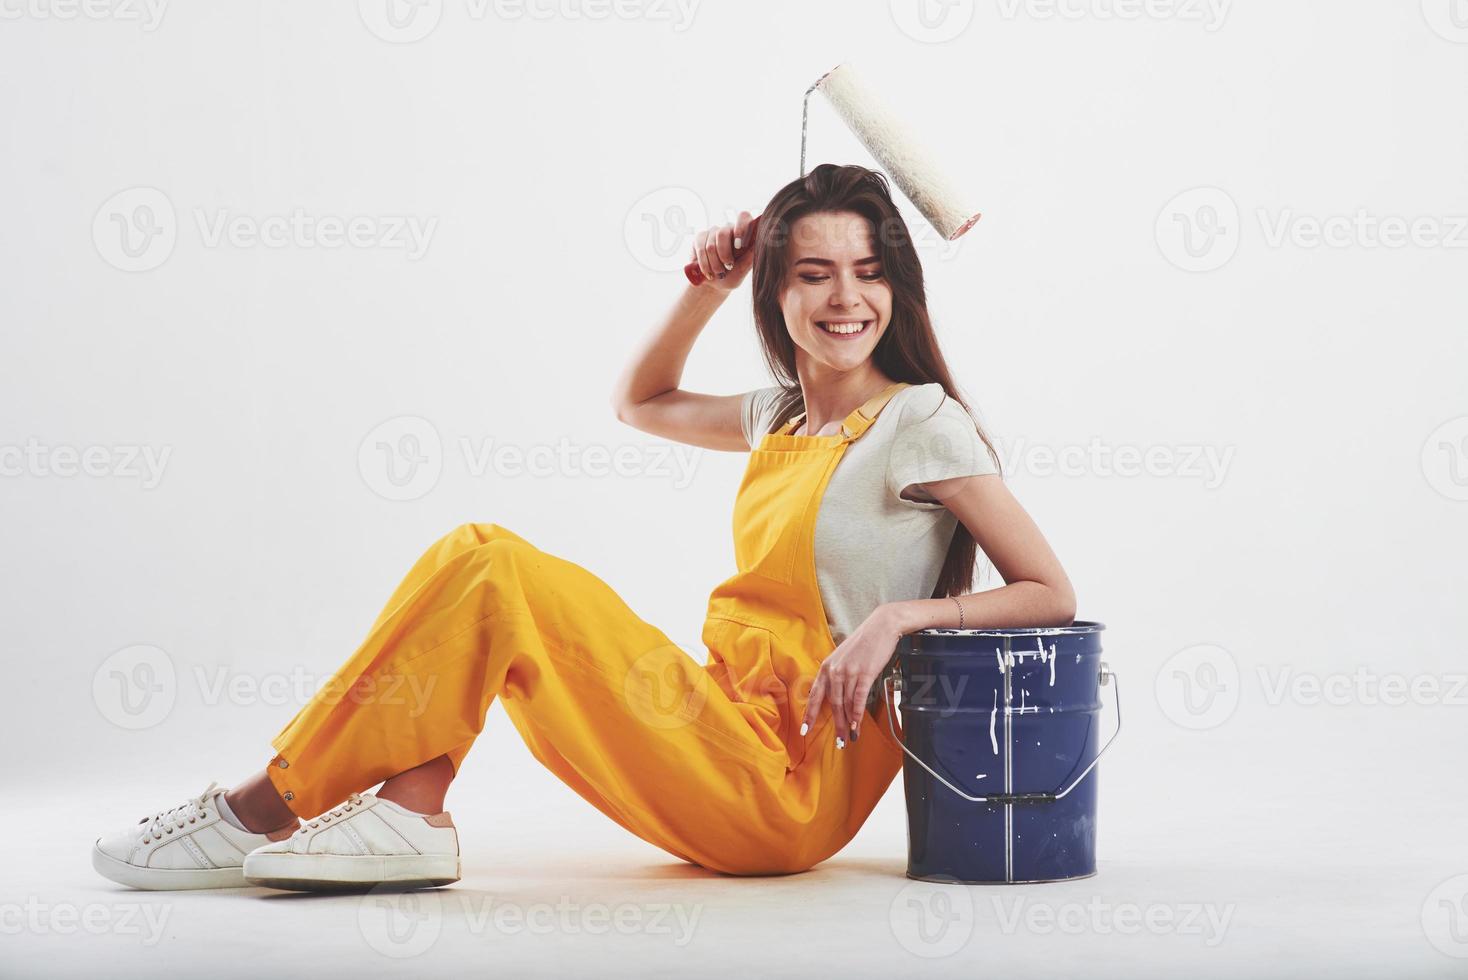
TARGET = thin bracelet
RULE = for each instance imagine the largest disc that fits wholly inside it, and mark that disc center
(960, 610)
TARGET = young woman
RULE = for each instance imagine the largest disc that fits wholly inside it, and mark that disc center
(868, 490)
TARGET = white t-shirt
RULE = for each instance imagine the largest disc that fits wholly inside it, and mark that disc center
(872, 545)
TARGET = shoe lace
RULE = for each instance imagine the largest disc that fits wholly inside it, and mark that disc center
(354, 801)
(176, 818)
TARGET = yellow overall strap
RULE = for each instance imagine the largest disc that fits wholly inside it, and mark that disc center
(863, 415)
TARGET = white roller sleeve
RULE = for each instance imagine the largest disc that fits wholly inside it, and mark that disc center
(893, 145)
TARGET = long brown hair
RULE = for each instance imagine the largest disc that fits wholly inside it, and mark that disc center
(908, 351)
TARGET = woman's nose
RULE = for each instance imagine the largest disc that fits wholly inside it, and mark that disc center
(844, 293)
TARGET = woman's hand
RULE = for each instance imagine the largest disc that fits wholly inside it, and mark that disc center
(845, 680)
(713, 250)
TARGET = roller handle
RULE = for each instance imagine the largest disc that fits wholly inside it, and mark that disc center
(695, 274)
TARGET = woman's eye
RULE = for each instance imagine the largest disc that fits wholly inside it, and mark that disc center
(868, 277)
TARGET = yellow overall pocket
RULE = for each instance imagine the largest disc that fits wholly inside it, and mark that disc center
(741, 661)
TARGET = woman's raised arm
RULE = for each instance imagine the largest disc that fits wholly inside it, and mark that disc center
(647, 395)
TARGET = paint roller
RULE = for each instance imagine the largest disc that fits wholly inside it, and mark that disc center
(893, 145)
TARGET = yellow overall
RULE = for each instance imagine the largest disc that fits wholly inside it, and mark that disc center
(704, 761)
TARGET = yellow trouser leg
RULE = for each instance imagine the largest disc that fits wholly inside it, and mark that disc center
(602, 698)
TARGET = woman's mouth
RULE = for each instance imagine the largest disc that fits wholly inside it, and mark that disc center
(844, 329)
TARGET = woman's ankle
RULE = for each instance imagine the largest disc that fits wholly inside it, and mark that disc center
(256, 804)
(422, 788)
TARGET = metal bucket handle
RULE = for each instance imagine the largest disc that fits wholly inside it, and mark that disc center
(1107, 676)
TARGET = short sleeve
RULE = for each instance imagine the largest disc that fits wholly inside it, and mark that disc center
(756, 413)
(936, 440)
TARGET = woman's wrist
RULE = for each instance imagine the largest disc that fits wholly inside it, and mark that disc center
(911, 615)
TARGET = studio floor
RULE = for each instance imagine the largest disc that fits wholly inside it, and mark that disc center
(1205, 871)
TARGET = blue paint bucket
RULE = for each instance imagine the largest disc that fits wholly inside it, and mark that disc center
(1002, 732)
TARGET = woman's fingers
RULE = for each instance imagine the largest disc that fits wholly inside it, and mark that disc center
(723, 248)
(837, 696)
(700, 253)
(741, 230)
(861, 689)
(814, 702)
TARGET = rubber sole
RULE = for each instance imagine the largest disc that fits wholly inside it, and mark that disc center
(165, 879)
(335, 872)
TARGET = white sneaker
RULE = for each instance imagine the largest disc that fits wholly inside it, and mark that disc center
(187, 846)
(364, 841)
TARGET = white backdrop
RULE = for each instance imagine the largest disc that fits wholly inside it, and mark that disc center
(283, 282)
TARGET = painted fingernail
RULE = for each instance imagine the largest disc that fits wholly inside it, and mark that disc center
(736, 242)
(804, 728)
(840, 744)
(728, 265)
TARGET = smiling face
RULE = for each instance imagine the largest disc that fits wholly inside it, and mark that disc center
(836, 301)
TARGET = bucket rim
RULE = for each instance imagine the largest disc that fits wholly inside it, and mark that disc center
(1081, 627)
